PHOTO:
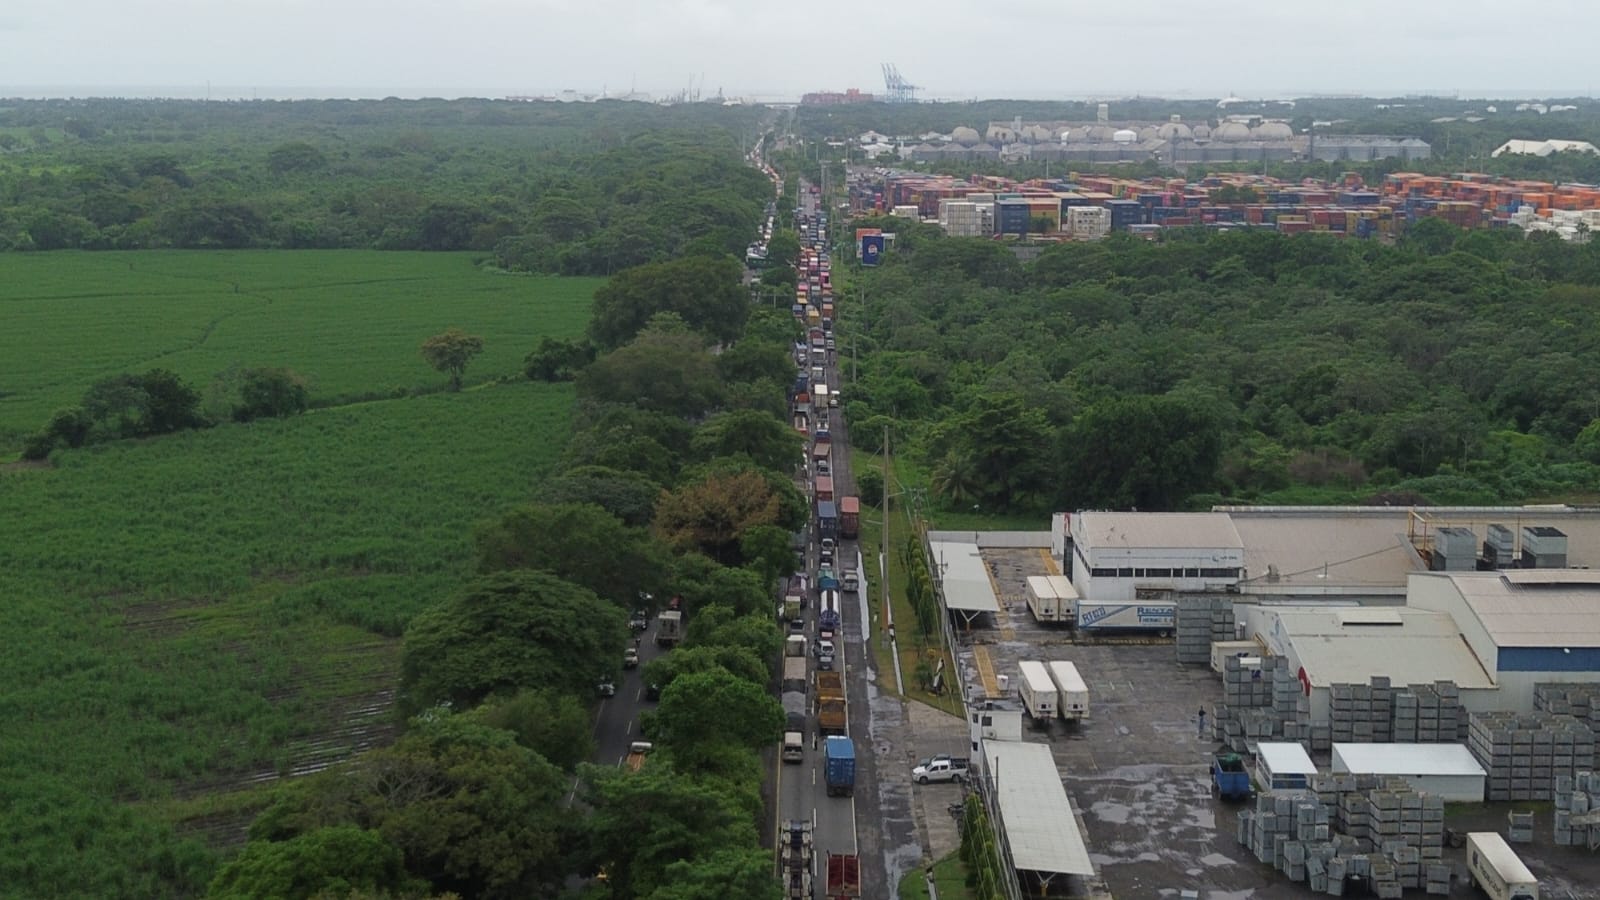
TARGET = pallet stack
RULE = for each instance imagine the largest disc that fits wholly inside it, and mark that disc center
(1577, 814)
(1525, 752)
(1378, 713)
(1519, 827)
(1202, 619)
(1581, 701)
(1351, 825)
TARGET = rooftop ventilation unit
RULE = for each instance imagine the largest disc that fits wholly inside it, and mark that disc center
(1455, 549)
(1543, 547)
(1499, 547)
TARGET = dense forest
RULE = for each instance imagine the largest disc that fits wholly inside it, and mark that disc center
(1242, 366)
(547, 187)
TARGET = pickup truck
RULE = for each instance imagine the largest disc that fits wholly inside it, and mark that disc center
(826, 654)
(940, 768)
(630, 658)
(852, 581)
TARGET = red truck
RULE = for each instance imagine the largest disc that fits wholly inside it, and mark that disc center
(843, 881)
(850, 516)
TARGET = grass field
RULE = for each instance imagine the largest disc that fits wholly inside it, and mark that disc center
(190, 618)
(949, 879)
(351, 321)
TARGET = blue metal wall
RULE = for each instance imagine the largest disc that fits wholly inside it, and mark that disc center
(1549, 659)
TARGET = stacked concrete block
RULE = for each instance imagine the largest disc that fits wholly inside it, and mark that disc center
(1438, 883)
(1378, 828)
(1438, 713)
(1244, 686)
(1577, 812)
(1202, 619)
(1524, 752)
(1519, 827)
(1581, 701)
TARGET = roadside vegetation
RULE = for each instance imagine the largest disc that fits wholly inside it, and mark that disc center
(292, 587)
(1238, 367)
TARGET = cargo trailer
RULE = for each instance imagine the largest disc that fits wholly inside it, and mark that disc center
(1038, 691)
(1149, 615)
(1072, 698)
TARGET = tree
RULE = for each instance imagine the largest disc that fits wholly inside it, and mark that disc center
(746, 874)
(508, 631)
(700, 711)
(270, 393)
(766, 550)
(558, 360)
(702, 582)
(768, 441)
(472, 812)
(756, 360)
(630, 496)
(1006, 443)
(450, 351)
(723, 626)
(1144, 452)
(295, 156)
(736, 660)
(712, 514)
(665, 372)
(783, 248)
(332, 861)
(581, 543)
(644, 822)
(705, 291)
(554, 725)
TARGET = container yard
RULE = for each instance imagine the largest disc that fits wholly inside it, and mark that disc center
(1084, 206)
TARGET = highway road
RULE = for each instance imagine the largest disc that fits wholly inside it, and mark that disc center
(616, 722)
(838, 823)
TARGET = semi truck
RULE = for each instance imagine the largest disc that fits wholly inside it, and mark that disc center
(839, 766)
(1134, 615)
(843, 878)
(850, 517)
(828, 616)
(830, 703)
(1493, 866)
(669, 628)
(794, 674)
(637, 751)
(794, 856)
(1072, 697)
(794, 733)
(827, 519)
(794, 647)
(1038, 691)
(824, 488)
(819, 398)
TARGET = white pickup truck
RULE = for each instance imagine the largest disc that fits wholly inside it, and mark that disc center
(852, 581)
(940, 768)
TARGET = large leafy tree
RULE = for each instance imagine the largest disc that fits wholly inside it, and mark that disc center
(552, 724)
(701, 711)
(663, 371)
(450, 351)
(581, 543)
(746, 874)
(471, 811)
(644, 822)
(1141, 452)
(712, 514)
(331, 861)
(704, 291)
(721, 626)
(509, 631)
(740, 661)
(769, 441)
(630, 496)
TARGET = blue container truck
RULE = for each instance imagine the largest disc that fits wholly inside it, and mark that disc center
(827, 519)
(839, 766)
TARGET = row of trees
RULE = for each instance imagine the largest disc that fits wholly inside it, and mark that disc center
(1246, 365)
(559, 188)
(675, 484)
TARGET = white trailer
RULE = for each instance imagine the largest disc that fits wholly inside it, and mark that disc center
(1072, 699)
(1038, 691)
(1132, 615)
(1066, 599)
(1042, 599)
(1493, 866)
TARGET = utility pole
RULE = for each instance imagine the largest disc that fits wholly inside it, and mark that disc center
(888, 616)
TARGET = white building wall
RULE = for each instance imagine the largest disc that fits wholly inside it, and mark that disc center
(1120, 588)
(1516, 688)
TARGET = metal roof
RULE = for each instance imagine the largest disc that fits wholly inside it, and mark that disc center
(1283, 758)
(1532, 607)
(1198, 531)
(1039, 824)
(1293, 552)
(1337, 646)
(1408, 759)
(964, 577)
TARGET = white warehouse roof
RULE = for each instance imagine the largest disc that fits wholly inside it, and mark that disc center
(964, 578)
(1285, 758)
(1168, 531)
(1286, 550)
(1038, 819)
(1532, 607)
(1406, 759)
(1349, 645)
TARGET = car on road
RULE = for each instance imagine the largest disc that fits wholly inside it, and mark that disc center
(825, 655)
(606, 688)
(652, 692)
(630, 658)
(797, 625)
(639, 621)
(823, 468)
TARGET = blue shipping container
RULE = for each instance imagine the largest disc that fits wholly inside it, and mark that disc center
(839, 766)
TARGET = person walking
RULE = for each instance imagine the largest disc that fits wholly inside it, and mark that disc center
(1201, 718)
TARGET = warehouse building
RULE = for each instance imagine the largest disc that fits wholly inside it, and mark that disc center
(1525, 626)
(1329, 645)
(1116, 555)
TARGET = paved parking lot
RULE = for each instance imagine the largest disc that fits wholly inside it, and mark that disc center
(1137, 771)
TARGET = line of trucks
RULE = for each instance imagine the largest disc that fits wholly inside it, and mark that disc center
(1054, 601)
(1053, 690)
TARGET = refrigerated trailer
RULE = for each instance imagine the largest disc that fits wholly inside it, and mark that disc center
(1133, 615)
(1072, 698)
(1038, 691)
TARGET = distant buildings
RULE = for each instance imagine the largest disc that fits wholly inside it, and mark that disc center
(1544, 148)
(834, 98)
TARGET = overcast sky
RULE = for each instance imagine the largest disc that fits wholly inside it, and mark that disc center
(957, 49)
